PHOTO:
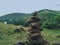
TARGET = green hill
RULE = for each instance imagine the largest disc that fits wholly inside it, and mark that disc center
(49, 18)
(13, 18)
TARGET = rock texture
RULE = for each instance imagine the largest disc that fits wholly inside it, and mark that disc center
(35, 37)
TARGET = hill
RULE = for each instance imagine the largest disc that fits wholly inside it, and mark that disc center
(49, 18)
(13, 18)
(8, 37)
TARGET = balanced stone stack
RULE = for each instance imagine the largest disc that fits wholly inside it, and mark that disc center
(34, 30)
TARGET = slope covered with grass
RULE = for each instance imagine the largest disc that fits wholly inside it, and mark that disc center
(8, 37)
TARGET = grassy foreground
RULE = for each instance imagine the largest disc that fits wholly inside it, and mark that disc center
(8, 37)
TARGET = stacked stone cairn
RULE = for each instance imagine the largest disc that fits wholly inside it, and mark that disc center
(35, 28)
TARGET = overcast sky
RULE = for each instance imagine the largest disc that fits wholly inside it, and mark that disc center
(27, 6)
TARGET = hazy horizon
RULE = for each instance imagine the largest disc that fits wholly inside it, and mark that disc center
(27, 6)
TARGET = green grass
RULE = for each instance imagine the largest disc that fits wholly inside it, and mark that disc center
(51, 35)
(8, 37)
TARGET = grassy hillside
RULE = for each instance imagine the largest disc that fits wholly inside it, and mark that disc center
(50, 18)
(8, 37)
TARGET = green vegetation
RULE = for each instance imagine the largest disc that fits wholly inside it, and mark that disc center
(8, 37)
(51, 35)
(50, 18)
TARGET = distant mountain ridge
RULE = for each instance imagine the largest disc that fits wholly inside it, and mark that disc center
(50, 18)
